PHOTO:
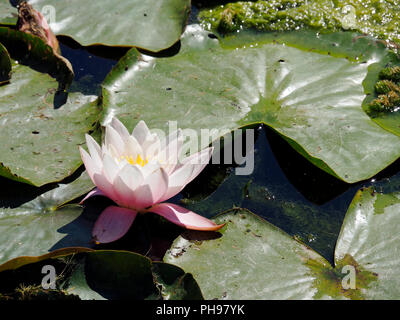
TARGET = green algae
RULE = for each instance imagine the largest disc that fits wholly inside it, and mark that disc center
(388, 91)
(385, 86)
(377, 18)
(383, 201)
(331, 281)
(31, 293)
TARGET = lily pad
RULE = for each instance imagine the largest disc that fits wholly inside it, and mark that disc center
(153, 25)
(8, 13)
(5, 65)
(389, 121)
(252, 260)
(266, 263)
(36, 227)
(370, 234)
(42, 128)
(306, 86)
(34, 52)
(103, 274)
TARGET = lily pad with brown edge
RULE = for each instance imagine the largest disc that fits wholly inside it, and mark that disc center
(152, 24)
(32, 51)
(47, 222)
(102, 274)
(308, 87)
(5, 65)
(266, 263)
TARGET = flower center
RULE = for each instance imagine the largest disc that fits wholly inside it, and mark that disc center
(138, 160)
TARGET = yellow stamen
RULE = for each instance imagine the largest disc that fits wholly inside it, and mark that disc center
(138, 160)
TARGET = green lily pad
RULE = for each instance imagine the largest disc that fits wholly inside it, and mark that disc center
(34, 52)
(153, 25)
(370, 234)
(5, 65)
(389, 121)
(266, 263)
(41, 131)
(46, 223)
(103, 274)
(8, 13)
(252, 260)
(310, 89)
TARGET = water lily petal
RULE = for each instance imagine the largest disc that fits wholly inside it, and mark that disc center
(151, 146)
(199, 161)
(93, 193)
(149, 168)
(180, 176)
(158, 183)
(142, 197)
(89, 163)
(184, 217)
(129, 178)
(94, 150)
(169, 156)
(120, 128)
(110, 168)
(113, 223)
(177, 181)
(132, 176)
(140, 132)
(132, 148)
(123, 193)
(112, 138)
(105, 186)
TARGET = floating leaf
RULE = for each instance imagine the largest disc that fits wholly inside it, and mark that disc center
(8, 14)
(103, 274)
(39, 139)
(45, 224)
(150, 24)
(34, 52)
(305, 89)
(252, 260)
(266, 263)
(370, 234)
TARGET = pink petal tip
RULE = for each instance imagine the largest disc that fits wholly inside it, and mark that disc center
(93, 193)
(184, 217)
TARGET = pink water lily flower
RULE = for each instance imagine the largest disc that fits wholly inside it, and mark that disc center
(138, 172)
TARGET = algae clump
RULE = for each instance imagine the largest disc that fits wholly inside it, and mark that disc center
(380, 19)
